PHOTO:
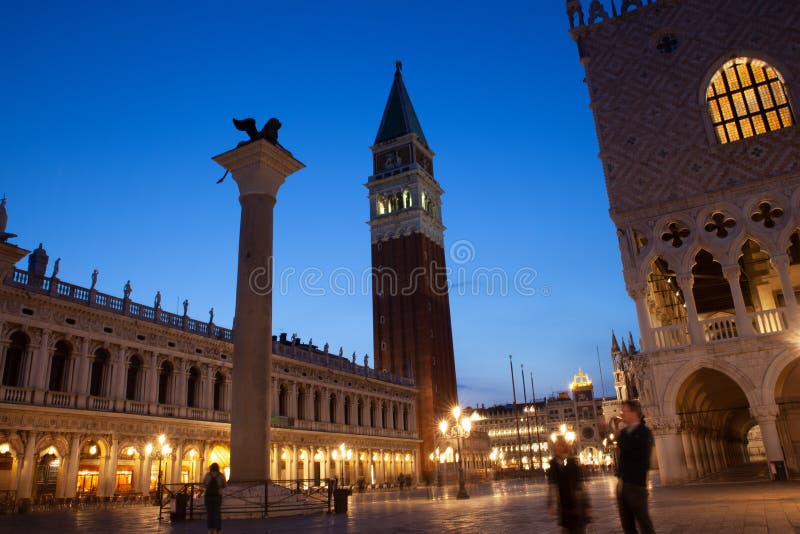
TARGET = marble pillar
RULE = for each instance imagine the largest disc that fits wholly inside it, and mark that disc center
(259, 169)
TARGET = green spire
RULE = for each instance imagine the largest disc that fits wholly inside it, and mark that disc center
(399, 117)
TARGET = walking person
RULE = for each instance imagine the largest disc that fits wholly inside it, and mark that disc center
(567, 498)
(214, 481)
(635, 445)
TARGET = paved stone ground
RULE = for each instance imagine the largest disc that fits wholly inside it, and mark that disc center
(514, 507)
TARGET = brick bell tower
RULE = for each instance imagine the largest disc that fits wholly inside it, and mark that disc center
(411, 307)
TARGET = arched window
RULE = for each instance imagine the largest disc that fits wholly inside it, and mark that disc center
(132, 379)
(58, 367)
(98, 374)
(360, 413)
(405, 418)
(283, 395)
(12, 369)
(406, 198)
(373, 414)
(219, 384)
(347, 410)
(193, 388)
(301, 403)
(394, 417)
(747, 97)
(317, 406)
(383, 416)
(164, 382)
(332, 408)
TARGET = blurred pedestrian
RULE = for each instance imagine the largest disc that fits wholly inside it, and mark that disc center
(567, 498)
(635, 445)
(214, 482)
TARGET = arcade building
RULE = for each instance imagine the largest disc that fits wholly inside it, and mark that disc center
(102, 395)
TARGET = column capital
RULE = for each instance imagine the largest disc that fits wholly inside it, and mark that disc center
(259, 167)
(765, 412)
(664, 424)
(780, 261)
(732, 271)
(685, 281)
(637, 290)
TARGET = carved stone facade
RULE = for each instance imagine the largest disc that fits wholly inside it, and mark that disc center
(90, 382)
(695, 103)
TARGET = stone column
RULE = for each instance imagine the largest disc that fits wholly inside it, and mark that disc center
(28, 468)
(111, 468)
(638, 292)
(177, 463)
(208, 387)
(40, 367)
(81, 375)
(698, 455)
(259, 169)
(669, 449)
(74, 461)
(743, 325)
(686, 283)
(782, 264)
(767, 416)
(686, 440)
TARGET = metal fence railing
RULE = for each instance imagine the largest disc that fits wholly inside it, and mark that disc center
(253, 499)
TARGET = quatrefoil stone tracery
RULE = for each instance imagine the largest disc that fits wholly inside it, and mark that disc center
(720, 224)
(676, 234)
(767, 214)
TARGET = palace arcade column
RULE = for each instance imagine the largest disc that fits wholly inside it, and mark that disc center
(669, 449)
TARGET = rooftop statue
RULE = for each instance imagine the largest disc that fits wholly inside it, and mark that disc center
(4, 236)
(269, 132)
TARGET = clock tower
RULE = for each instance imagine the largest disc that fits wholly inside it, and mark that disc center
(411, 307)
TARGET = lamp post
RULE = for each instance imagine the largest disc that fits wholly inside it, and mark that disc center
(457, 428)
(160, 453)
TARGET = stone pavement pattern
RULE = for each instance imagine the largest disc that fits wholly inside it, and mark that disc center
(503, 507)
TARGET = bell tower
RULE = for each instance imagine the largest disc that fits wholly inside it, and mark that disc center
(411, 307)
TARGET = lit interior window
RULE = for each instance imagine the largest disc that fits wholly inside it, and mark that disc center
(747, 97)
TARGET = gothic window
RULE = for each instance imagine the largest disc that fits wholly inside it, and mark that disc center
(332, 408)
(58, 366)
(12, 369)
(283, 395)
(193, 388)
(301, 403)
(132, 378)
(381, 205)
(164, 381)
(98, 373)
(317, 406)
(406, 198)
(219, 384)
(747, 97)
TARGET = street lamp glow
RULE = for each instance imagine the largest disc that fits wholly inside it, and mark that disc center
(4, 448)
(443, 426)
(161, 439)
(466, 424)
(148, 449)
(456, 412)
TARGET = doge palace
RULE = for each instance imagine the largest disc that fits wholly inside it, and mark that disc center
(104, 396)
(695, 104)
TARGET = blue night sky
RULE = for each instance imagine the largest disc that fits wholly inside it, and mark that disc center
(111, 114)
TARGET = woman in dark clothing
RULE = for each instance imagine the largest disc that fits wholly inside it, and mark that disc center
(566, 489)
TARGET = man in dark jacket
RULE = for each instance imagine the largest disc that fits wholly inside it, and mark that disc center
(635, 444)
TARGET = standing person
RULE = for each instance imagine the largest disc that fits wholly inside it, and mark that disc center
(566, 489)
(635, 444)
(214, 481)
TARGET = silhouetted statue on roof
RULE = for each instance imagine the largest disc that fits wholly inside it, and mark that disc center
(4, 236)
(269, 132)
